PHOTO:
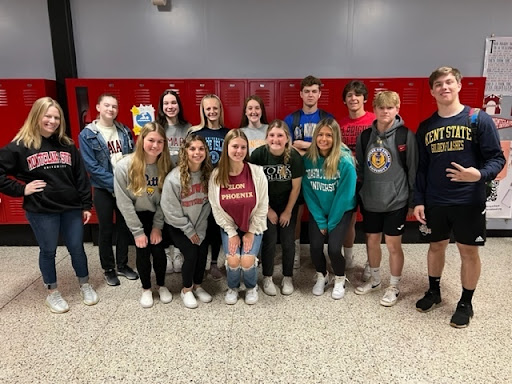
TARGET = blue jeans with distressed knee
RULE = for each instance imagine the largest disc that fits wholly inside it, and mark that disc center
(234, 274)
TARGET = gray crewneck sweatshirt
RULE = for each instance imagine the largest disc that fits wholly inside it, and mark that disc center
(188, 212)
(129, 204)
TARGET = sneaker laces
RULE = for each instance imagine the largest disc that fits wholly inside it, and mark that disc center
(57, 299)
(391, 294)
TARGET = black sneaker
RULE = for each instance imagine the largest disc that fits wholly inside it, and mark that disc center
(111, 278)
(127, 272)
(431, 300)
(462, 315)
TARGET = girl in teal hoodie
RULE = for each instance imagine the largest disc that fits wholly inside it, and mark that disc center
(329, 188)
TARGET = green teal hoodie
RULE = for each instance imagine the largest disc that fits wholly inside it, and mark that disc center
(329, 199)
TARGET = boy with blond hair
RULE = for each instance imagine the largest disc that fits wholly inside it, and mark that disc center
(387, 158)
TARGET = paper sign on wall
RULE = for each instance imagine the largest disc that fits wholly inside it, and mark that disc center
(142, 115)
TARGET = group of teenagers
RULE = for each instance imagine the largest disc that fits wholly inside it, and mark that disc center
(202, 188)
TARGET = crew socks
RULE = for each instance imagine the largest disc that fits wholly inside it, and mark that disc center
(434, 283)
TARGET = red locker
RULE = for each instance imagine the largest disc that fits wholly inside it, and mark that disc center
(197, 89)
(332, 97)
(288, 97)
(266, 89)
(16, 99)
(232, 95)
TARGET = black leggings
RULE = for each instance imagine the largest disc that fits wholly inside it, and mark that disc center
(144, 254)
(335, 240)
(213, 237)
(194, 256)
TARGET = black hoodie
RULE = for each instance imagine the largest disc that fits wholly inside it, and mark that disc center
(60, 166)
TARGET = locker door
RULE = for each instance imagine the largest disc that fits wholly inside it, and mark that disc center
(330, 95)
(375, 86)
(472, 92)
(266, 89)
(410, 91)
(288, 97)
(336, 105)
(232, 94)
(197, 89)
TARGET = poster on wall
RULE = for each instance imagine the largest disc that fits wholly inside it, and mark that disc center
(499, 203)
(142, 115)
(498, 66)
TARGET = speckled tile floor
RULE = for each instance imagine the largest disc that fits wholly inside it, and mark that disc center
(295, 339)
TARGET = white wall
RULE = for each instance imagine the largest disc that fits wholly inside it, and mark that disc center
(284, 38)
(265, 38)
(25, 41)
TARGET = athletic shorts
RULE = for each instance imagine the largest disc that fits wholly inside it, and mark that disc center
(391, 223)
(466, 221)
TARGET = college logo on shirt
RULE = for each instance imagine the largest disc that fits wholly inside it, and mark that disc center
(43, 159)
(379, 160)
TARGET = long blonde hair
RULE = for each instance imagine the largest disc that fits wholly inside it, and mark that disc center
(137, 172)
(30, 132)
(221, 175)
(206, 165)
(333, 158)
(202, 114)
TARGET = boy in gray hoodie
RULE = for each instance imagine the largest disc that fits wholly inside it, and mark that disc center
(386, 190)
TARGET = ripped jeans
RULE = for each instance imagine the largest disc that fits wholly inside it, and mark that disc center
(234, 274)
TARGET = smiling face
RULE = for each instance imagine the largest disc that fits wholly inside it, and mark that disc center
(108, 109)
(196, 153)
(355, 102)
(153, 146)
(324, 140)
(445, 89)
(211, 108)
(237, 149)
(49, 122)
(170, 106)
(253, 112)
(277, 140)
(310, 95)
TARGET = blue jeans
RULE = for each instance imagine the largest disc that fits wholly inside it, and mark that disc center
(46, 228)
(234, 274)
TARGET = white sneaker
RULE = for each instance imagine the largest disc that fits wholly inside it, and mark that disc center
(390, 296)
(268, 286)
(56, 303)
(146, 300)
(178, 260)
(321, 282)
(368, 287)
(251, 296)
(287, 286)
(231, 296)
(296, 260)
(367, 273)
(339, 288)
(89, 295)
(202, 295)
(168, 254)
(188, 299)
(165, 295)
